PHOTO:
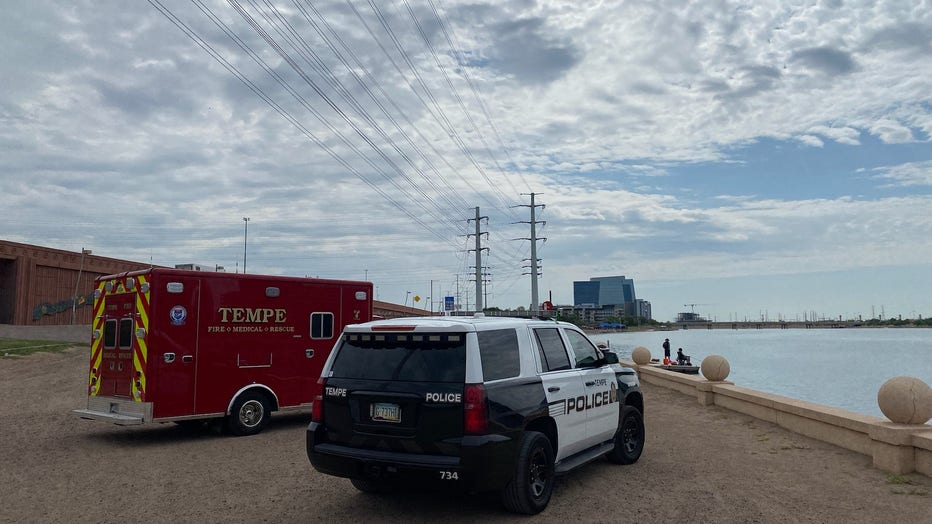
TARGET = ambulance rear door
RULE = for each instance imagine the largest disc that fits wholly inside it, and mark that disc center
(116, 368)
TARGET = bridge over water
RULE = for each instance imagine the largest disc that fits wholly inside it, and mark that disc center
(772, 324)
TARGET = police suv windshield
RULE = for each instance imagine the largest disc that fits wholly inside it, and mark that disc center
(410, 357)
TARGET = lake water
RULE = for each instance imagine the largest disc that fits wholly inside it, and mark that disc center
(842, 368)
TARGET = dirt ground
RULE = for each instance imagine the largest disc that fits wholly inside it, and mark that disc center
(700, 464)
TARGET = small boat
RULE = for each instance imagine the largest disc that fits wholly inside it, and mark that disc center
(689, 370)
(671, 365)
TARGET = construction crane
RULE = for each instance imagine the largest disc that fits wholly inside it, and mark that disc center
(692, 307)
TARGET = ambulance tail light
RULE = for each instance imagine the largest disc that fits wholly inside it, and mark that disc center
(317, 408)
(475, 410)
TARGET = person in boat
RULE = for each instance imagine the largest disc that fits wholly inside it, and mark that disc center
(666, 348)
(682, 359)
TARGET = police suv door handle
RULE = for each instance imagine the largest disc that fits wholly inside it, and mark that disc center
(553, 389)
(590, 383)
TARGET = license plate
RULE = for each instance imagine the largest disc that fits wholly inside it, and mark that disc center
(384, 412)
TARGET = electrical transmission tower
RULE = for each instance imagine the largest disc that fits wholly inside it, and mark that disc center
(478, 249)
(534, 261)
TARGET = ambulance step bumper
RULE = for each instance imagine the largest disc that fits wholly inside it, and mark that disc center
(119, 419)
(117, 410)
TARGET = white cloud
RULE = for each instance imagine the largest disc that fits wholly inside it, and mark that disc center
(909, 174)
(842, 135)
(811, 140)
(892, 132)
(625, 119)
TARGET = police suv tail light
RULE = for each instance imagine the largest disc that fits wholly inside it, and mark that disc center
(317, 408)
(475, 410)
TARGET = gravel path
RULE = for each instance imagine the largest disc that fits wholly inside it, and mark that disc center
(699, 465)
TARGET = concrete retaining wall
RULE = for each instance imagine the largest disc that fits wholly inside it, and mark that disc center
(897, 448)
(77, 333)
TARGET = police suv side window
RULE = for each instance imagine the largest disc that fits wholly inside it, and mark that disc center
(498, 350)
(552, 351)
(587, 355)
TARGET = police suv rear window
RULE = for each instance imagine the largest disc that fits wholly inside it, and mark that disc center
(410, 357)
(498, 350)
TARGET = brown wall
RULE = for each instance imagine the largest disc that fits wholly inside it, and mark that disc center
(389, 310)
(37, 281)
(41, 280)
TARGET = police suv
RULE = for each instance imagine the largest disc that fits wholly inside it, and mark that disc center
(476, 403)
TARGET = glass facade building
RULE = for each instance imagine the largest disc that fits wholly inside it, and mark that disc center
(615, 292)
(585, 293)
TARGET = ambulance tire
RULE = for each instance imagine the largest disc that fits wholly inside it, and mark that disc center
(190, 425)
(250, 414)
(629, 439)
(531, 486)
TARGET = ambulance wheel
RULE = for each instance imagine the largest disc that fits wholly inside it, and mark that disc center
(530, 489)
(190, 425)
(249, 415)
(629, 439)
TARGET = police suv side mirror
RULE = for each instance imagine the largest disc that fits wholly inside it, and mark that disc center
(609, 358)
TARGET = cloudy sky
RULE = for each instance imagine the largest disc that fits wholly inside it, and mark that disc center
(752, 158)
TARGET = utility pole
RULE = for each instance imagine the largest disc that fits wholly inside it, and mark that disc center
(534, 269)
(486, 278)
(478, 234)
(74, 298)
(245, 232)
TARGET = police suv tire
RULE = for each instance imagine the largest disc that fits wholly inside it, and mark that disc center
(250, 414)
(370, 486)
(531, 486)
(629, 439)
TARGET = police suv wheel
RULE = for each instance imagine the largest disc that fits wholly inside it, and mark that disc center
(249, 415)
(530, 489)
(629, 440)
(370, 486)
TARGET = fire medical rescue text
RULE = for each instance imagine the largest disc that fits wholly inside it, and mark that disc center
(246, 315)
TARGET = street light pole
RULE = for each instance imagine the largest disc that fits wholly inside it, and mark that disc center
(245, 235)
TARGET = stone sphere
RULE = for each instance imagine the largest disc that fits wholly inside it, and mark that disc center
(905, 400)
(640, 355)
(715, 368)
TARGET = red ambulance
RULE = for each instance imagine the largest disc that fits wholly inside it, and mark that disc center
(179, 346)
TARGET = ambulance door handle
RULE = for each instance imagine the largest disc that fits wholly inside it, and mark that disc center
(169, 357)
(187, 358)
(309, 353)
(553, 389)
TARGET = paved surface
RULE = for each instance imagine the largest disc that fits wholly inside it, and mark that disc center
(701, 464)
